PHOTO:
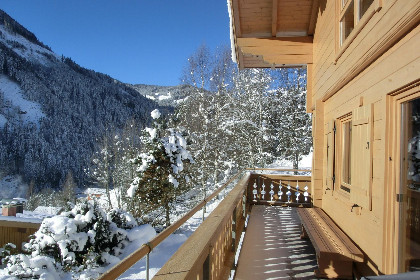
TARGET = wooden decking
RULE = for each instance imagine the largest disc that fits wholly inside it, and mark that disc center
(272, 248)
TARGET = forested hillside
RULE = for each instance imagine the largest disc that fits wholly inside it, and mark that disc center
(53, 111)
(165, 95)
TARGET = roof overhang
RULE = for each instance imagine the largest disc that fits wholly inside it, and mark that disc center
(272, 33)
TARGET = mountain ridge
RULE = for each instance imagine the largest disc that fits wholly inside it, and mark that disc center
(77, 108)
(15, 27)
(165, 95)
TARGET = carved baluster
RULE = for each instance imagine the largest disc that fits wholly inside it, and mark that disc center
(280, 193)
(271, 191)
(306, 194)
(255, 191)
(297, 193)
(289, 193)
(263, 191)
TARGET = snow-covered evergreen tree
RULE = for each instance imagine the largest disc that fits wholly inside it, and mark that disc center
(161, 169)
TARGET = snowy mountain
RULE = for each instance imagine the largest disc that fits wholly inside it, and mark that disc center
(53, 111)
(165, 95)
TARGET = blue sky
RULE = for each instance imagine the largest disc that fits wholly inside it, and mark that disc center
(134, 41)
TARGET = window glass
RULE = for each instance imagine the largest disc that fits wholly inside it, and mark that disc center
(410, 187)
(347, 22)
(346, 153)
(364, 5)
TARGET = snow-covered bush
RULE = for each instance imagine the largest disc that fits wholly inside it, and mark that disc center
(7, 250)
(83, 238)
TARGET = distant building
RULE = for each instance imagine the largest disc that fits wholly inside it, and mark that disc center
(94, 193)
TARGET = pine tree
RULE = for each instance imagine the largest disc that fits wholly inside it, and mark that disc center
(162, 170)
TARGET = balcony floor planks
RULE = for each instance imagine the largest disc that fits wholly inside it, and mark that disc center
(272, 248)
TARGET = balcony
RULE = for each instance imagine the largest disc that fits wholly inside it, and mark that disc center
(254, 233)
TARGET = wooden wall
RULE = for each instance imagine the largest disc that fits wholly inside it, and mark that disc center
(16, 232)
(383, 57)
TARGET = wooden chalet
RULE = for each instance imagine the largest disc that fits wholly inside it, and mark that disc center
(363, 66)
(360, 207)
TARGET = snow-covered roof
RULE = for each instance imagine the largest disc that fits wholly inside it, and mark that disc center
(21, 219)
(94, 191)
(47, 210)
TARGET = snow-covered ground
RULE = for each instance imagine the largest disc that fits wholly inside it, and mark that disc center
(161, 254)
(141, 235)
(28, 111)
(24, 48)
(168, 247)
(305, 163)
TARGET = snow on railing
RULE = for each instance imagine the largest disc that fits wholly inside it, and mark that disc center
(145, 249)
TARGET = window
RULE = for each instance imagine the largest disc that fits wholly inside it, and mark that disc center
(363, 7)
(344, 152)
(409, 184)
(350, 13)
(347, 23)
(353, 164)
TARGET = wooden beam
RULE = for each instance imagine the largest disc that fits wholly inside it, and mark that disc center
(287, 59)
(274, 19)
(278, 51)
(314, 17)
(240, 59)
(309, 88)
(296, 41)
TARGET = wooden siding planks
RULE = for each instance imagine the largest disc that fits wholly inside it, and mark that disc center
(16, 232)
(370, 38)
(395, 68)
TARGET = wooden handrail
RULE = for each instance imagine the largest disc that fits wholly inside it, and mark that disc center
(209, 252)
(279, 169)
(145, 249)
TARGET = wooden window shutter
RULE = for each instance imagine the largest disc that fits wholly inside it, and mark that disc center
(329, 154)
(361, 156)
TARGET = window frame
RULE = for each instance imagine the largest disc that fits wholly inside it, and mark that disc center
(394, 175)
(341, 152)
(359, 22)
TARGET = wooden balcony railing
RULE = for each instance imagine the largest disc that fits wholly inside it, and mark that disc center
(209, 253)
(145, 249)
(285, 190)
